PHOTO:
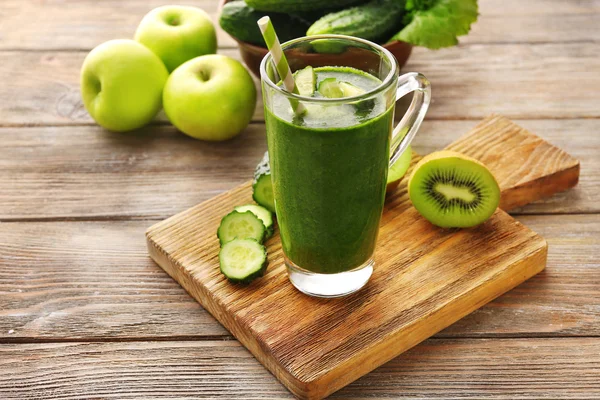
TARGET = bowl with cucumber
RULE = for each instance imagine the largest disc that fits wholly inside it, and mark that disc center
(398, 25)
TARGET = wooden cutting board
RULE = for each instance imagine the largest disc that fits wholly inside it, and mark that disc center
(425, 277)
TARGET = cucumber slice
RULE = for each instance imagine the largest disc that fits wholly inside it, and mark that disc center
(350, 90)
(262, 192)
(265, 216)
(398, 170)
(330, 88)
(333, 89)
(262, 189)
(306, 81)
(362, 107)
(243, 260)
(241, 225)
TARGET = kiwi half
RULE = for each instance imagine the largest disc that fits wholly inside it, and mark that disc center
(452, 190)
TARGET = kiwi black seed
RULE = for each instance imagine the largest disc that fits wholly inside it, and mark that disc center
(452, 190)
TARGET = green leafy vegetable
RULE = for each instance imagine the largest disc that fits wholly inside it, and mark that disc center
(437, 23)
(412, 6)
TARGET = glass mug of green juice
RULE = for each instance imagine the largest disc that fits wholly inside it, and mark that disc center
(329, 162)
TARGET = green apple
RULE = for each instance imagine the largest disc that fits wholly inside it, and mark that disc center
(177, 34)
(398, 170)
(121, 84)
(210, 97)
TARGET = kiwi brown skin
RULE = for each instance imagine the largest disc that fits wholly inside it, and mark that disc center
(488, 191)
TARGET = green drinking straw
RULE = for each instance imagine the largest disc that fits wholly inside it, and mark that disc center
(281, 63)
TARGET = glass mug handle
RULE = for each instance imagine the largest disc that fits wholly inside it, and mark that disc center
(405, 131)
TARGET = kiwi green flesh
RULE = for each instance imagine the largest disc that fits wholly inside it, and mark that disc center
(454, 193)
(398, 170)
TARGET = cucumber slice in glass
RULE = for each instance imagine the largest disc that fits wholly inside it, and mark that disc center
(350, 90)
(241, 225)
(363, 107)
(265, 215)
(306, 81)
(243, 260)
(331, 89)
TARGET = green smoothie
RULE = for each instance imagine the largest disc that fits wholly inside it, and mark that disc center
(329, 170)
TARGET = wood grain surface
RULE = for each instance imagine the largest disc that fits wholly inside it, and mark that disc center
(513, 80)
(73, 266)
(531, 369)
(53, 290)
(83, 24)
(537, 168)
(88, 173)
(316, 347)
(526, 167)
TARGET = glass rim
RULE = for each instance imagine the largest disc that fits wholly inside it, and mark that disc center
(385, 83)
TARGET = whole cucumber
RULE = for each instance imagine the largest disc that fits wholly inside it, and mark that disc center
(293, 6)
(376, 21)
(239, 20)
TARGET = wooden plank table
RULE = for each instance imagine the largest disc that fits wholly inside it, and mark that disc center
(85, 313)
